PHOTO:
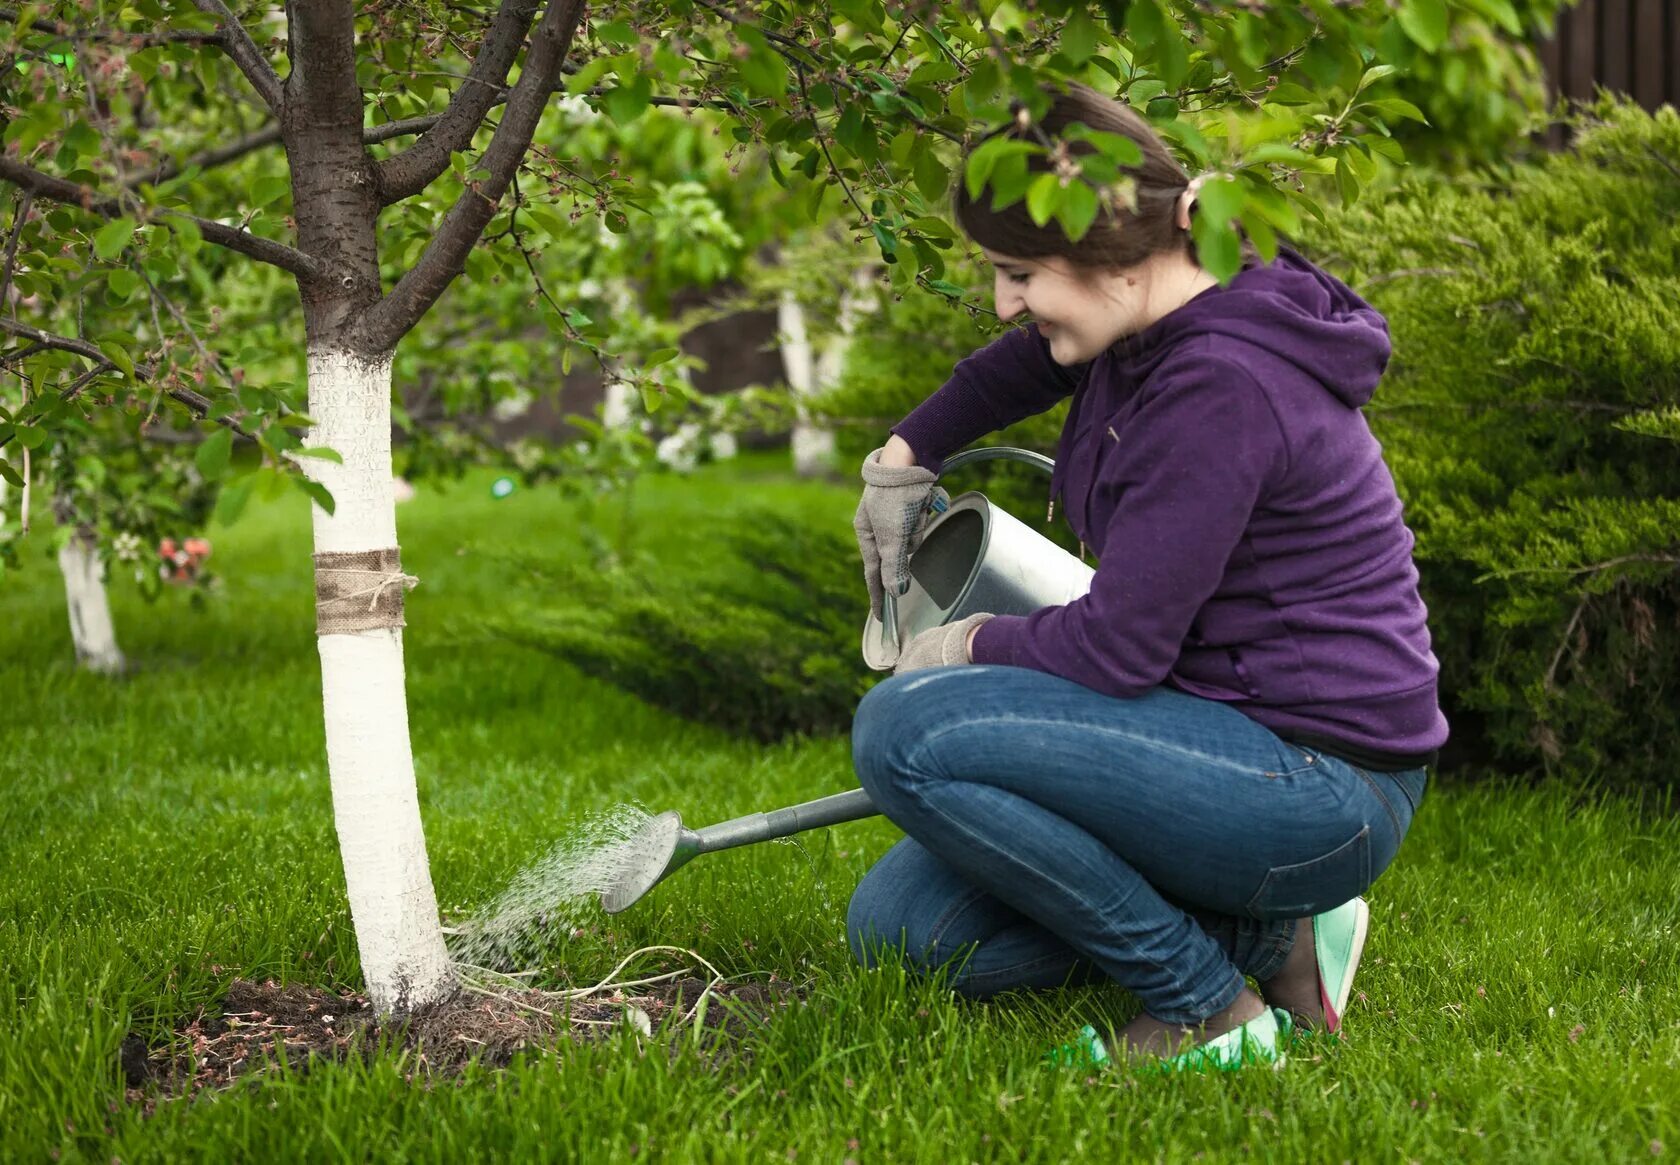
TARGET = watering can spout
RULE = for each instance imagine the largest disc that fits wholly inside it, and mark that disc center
(665, 845)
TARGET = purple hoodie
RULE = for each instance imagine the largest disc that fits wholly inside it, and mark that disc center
(1251, 541)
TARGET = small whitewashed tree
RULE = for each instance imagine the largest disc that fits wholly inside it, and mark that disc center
(121, 117)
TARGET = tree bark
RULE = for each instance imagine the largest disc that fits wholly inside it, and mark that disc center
(91, 629)
(376, 805)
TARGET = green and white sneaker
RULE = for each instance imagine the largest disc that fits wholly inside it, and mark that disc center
(1261, 1040)
(1339, 940)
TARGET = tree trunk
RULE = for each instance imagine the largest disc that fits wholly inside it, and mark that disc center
(91, 630)
(813, 446)
(376, 805)
(810, 371)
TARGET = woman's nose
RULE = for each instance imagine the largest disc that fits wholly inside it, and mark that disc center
(1008, 304)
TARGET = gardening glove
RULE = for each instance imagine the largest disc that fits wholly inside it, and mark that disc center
(938, 646)
(891, 517)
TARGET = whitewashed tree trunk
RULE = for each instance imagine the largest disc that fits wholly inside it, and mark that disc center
(811, 370)
(618, 408)
(91, 629)
(376, 805)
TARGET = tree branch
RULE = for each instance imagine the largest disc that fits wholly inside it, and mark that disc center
(238, 44)
(411, 171)
(133, 40)
(59, 190)
(446, 255)
(25, 198)
(196, 403)
(270, 135)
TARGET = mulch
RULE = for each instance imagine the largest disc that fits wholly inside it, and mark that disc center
(264, 1027)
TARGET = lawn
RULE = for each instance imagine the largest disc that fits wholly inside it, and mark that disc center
(171, 830)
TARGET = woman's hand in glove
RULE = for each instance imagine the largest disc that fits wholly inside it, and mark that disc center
(939, 646)
(890, 520)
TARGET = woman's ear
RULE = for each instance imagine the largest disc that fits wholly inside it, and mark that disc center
(1181, 213)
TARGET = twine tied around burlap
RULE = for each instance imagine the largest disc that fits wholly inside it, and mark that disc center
(359, 590)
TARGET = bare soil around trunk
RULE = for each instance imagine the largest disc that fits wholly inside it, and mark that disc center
(264, 1027)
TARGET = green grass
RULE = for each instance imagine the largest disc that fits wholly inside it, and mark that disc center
(164, 832)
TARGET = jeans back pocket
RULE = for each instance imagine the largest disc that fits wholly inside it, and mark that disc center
(1309, 887)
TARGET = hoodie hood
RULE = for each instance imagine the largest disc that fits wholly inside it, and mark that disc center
(1288, 307)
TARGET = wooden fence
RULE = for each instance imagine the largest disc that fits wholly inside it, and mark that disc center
(1629, 46)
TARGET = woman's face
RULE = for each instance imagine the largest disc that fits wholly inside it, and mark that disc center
(1081, 313)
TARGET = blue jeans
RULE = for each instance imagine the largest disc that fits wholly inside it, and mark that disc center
(1057, 835)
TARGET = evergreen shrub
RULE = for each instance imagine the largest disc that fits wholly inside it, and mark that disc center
(1530, 414)
(770, 653)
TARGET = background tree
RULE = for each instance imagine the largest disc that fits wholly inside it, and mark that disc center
(873, 102)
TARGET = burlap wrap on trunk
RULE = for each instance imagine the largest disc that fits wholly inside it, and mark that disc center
(360, 591)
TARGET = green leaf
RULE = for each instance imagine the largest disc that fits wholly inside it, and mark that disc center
(124, 282)
(983, 161)
(320, 451)
(1220, 200)
(902, 145)
(317, 492)
(1078, 210)
(10, 474)
(884, 239)
(617, 33)
(82, 139)
(585, 78)
(652, 397)
(625, 103)
(1009, 181)
(1395, 107)
(1289, 93)
(659, 356)
(118, 354)
(1145, 22)
(1260, 232)
(1079, 37)
(1044, 197)
(112, 238)
(1374, 74)
(1118, 148)
(931, 175)
(765, 74)
(230, 503)
(29, 437)
(1347, 183)
(267, 191)
(1217, 248)
(1425, 21)
(213, 453)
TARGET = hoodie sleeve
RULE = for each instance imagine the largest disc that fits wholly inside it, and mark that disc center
(1008, 380)
(1200, 454)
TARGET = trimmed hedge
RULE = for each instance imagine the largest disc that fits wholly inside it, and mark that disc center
(771, 655)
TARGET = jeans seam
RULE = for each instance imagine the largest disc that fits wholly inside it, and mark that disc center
(1205, 758)
(1393, 817)
(936, 932)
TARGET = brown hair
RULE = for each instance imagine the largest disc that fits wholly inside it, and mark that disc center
(1121, 236)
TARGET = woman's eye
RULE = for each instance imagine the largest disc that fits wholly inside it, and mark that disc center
(1019, 279)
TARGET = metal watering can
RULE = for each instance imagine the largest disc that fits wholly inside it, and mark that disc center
(973, 557)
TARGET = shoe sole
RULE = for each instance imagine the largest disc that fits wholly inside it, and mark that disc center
(1336, 1008)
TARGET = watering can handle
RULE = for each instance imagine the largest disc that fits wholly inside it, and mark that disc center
(889, 602)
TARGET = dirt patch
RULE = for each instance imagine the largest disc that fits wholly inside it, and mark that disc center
(261, 1026)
